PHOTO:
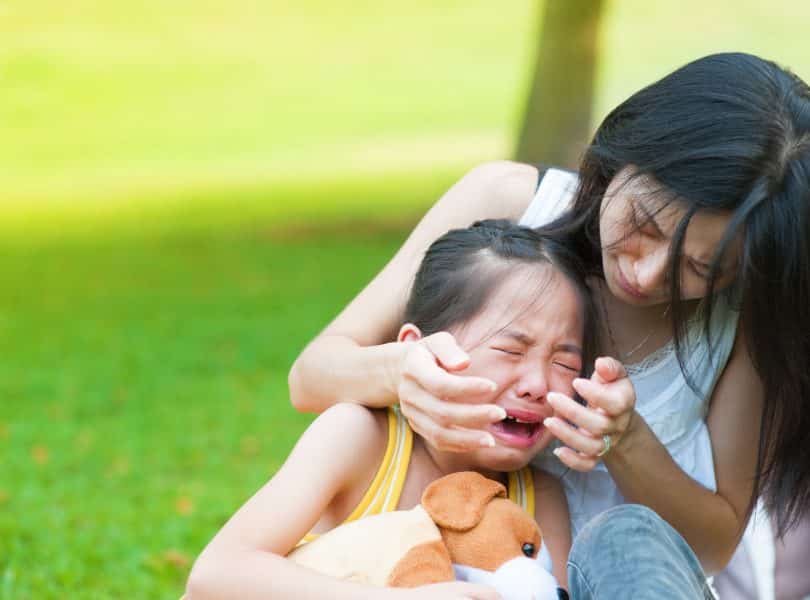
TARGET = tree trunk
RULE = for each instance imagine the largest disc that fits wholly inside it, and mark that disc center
(557, 121)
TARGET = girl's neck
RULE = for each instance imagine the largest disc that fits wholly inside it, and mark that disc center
(444, 463)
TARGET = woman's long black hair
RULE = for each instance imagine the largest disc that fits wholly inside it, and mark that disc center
(731, 133)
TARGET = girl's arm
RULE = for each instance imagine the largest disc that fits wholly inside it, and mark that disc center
(711, 522)
(339, 450)
(339, 453)
(551, 513)
(351, 355)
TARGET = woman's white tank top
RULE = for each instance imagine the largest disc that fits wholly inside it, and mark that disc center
(664, 399)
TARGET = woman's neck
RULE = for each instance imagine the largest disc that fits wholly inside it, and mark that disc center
(628, 332)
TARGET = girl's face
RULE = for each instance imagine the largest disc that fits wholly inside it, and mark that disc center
(636, 232)
(528, 340)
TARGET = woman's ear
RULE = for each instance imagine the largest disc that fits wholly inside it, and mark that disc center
(409, 333)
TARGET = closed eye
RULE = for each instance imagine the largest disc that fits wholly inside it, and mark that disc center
(699, 270)
(508, 351)
(568, 367)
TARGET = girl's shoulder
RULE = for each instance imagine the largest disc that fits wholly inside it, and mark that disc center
(348, 441)
(351, 437)
(363, 429)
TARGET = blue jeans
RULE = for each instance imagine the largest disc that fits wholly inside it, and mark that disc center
(631, 552)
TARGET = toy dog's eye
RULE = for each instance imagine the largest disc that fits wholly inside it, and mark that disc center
(528, 549)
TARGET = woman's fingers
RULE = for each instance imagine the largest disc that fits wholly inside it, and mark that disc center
(440, 405)
(449, 414)
(450, 439)
(421, 367)
(611, 402)
(615, 398)
(576, 439)
(594, 421)
(575, 460)
(608, 369)
(446, 351)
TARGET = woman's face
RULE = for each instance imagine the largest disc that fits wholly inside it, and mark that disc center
(636, 229)
(528, 340)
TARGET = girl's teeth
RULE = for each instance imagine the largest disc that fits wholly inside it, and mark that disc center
(516, 420)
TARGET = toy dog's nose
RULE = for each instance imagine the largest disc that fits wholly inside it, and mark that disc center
(562, 594)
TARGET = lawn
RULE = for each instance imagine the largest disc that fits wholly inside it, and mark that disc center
(190, 191)
(144, 395)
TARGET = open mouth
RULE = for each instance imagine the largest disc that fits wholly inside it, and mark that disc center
(520, 431)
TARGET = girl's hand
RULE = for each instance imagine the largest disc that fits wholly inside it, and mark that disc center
(437, 402)
(611, 411)
(456, 590)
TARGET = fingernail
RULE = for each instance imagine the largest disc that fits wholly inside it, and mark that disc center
(488, 441)
(492, 386)
(497, 414)
(552, 397)
(548, 421)
(557, 452)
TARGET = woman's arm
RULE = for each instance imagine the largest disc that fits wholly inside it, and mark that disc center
(551, 513)
(711, 522)
(351, 360)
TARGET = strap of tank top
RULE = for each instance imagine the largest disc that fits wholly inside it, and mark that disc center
(384, 492)
(386, 487)
(521, 489)
(555, 194)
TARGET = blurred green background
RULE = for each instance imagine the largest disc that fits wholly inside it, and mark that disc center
(189, 191)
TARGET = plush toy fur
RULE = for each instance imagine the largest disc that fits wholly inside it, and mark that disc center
(465, 528)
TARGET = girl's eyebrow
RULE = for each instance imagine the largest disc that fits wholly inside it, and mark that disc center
(527, 340)
(519, 336)
(568, 348)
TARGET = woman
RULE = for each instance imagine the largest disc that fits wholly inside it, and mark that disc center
(691, 209)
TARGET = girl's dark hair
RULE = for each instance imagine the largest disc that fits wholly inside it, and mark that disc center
(462, 269)
(730, 133)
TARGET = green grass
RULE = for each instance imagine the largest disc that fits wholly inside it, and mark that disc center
(144, 396)
(189, 191)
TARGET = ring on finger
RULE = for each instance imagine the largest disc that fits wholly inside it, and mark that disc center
(606, 442)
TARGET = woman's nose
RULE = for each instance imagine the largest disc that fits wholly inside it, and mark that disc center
(651, 269)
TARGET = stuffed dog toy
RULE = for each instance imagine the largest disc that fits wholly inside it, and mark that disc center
(465, 529)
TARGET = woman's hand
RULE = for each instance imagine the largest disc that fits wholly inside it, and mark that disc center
(438, 403)
(611, 411)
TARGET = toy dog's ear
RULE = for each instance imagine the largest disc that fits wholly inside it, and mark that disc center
(457, 501)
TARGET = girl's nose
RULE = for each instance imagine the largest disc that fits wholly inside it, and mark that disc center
(533, 385)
